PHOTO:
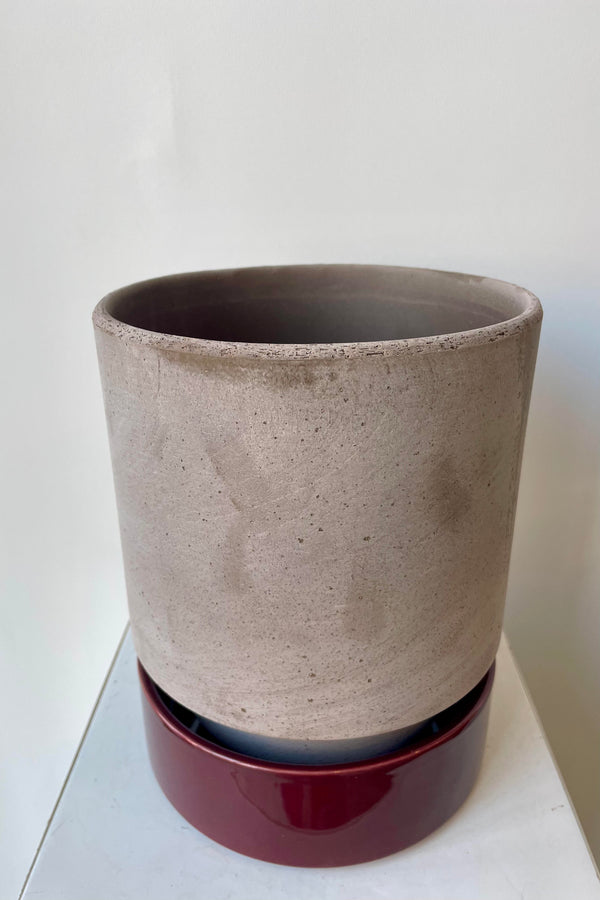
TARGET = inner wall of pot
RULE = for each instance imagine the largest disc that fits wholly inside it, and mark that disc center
(316, 304)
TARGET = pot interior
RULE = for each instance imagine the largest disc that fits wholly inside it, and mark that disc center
(316, 304)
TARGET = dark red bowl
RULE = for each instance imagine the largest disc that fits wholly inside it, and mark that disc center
(319, 815)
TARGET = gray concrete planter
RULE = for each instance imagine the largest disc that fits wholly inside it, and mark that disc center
(316, 471)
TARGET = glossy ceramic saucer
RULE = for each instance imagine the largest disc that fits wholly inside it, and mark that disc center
(330, 815)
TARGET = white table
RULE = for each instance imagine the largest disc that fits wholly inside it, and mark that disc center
(113, 834)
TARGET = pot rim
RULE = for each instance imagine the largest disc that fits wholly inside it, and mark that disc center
(393, 759)
(531, 314)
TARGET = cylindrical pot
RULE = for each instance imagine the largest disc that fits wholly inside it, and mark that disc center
(316, 471)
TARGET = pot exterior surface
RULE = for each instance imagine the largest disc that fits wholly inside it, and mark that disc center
(327, 816)
(317, 546)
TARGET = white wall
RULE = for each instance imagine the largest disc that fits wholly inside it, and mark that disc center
(142, 138)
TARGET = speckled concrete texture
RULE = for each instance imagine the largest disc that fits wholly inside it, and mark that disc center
(316, 487)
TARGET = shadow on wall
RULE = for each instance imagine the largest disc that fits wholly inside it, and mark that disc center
(553, 610)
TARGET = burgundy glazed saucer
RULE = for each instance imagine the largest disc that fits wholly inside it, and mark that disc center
(329, 815)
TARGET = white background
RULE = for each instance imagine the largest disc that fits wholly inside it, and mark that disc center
(143, 138)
